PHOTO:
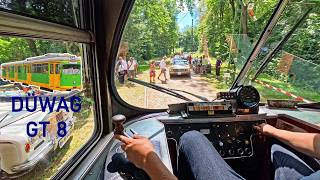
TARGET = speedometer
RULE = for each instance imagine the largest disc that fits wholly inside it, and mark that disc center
(247, 97)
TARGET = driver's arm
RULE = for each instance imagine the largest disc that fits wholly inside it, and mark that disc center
(141, 153)
(307, 143)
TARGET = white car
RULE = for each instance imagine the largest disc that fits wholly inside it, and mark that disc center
(180, 67)
(19, 153)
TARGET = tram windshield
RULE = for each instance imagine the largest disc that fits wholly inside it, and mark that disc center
(288, 63)
(71, 69)
(217, 52)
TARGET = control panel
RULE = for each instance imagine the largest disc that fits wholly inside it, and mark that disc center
(231, 139)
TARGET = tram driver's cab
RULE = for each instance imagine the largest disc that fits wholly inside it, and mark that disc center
(265, 58)
(227, 120)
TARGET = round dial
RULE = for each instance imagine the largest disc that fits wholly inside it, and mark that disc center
(248, 97)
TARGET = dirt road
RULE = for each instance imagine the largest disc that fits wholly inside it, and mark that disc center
(149, 98)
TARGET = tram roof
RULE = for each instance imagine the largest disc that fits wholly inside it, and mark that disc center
(47, 58)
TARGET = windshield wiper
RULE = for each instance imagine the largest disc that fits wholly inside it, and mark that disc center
(5, 116)
(167, 91)
(315, 105)
(194, 95)
(272, 53)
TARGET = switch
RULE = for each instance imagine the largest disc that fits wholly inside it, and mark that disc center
(240, 151)
(231, 152)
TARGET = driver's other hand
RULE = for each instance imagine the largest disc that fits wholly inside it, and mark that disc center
(264, 129)
(137, 149)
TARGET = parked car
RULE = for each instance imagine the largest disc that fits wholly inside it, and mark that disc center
(20, 153)
(180, 67)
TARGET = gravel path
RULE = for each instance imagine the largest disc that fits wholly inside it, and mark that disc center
(196, 85)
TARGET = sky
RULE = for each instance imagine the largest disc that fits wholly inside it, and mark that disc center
(184, 18)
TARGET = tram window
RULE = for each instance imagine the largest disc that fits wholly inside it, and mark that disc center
(294, 71)
(71, 69)
(64, 13)
(57, 68)
(153, 32)
(40, 68)
(80, 125)
(51, 69)
(179, 40)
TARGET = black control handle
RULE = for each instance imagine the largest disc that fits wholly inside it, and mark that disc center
(118, 121)
(121, 164)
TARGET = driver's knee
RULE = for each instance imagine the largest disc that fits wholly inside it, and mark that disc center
(282, 157)
(191, 140)
(191, 136)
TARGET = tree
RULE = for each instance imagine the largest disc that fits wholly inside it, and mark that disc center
(188, 39)
(152, 29)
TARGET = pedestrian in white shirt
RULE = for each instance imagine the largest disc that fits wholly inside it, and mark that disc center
(163, 68)
(120, 69)
(125, 66)
(131, 68)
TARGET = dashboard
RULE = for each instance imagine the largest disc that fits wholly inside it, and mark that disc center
(230, 139)
(231, 136)
(227, 123)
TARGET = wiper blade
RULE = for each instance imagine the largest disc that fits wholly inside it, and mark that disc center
(197, 96)
(5, 116)
(159, 88)
(310, 105)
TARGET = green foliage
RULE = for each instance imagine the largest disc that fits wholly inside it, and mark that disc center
(86, 105)
(188, 39)
(223, 18)
(151, 30)
(13, 49)
(61, 11)
(18, 49)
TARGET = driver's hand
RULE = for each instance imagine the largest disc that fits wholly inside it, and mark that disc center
(137, 148)
(264, 129)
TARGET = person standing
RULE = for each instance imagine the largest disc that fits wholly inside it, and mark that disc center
(189, 58)
(125, 66)
(136, 65)
(120, 70)
(152, 72)
(163, 68)
(204, 64)
(218, 66)
(131, 71)
(199, 65)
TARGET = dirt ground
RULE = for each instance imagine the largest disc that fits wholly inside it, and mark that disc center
(141, 96)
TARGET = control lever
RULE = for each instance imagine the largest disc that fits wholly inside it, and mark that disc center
(121, 164)
(118, 121)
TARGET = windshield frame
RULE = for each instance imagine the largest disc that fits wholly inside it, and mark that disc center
(267, 59)
(262, 40)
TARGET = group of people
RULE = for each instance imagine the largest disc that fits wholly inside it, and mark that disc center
(129, 69)
(163, 70)
(200, 65)
(126, 69)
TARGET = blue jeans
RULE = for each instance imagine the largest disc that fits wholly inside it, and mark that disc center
(198, 159)
(289, 166)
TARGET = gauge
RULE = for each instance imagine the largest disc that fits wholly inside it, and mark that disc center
(248, 97)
